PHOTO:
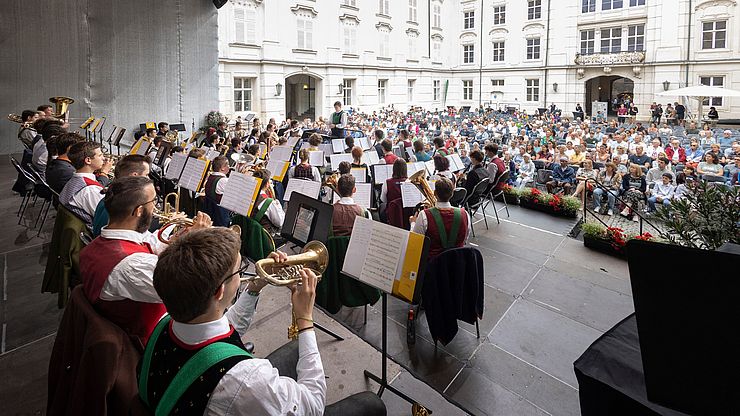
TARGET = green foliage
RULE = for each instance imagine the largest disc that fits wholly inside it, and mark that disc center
(707, 217)
(593, 229)
(213, 118)
(570, 204)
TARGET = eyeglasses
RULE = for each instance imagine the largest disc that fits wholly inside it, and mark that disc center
(242, 271)
(133, 213)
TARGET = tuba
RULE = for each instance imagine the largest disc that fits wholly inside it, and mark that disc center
(314, 257)
(332, 182)
(419, 179)
(61, 106)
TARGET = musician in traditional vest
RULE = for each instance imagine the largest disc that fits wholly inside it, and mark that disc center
(446, 226)
(129, 165)
(267, 211)
(345, 210)
(338, 121)
(439, 147)
(496, 166)
(304, 170)
(217, 180)
(391, 188)
(196, 363)
(388, 156)
(116, 268)
(81, 194)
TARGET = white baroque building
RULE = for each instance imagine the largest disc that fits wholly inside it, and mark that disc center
(292, 58)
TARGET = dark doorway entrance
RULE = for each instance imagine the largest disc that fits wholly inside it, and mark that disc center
(300, 97)
(609, 89)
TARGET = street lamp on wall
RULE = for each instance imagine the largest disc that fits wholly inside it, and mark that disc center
(666, 85)
(555, 86)
(278, 89)
(341, 88)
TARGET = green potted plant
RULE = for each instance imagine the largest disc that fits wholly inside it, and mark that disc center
(511, 195)
(609, 240)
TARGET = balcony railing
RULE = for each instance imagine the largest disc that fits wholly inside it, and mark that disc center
(617, 58)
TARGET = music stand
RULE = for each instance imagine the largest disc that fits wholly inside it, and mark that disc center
(320, 222)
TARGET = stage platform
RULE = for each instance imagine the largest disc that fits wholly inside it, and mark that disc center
(547, 299)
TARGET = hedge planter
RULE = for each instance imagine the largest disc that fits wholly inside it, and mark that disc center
(546, 208)
(603, 246)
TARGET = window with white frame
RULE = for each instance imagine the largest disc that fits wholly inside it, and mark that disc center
(634, 3)
(588, 6)
(469, 20)
(498, 51)
(347, 91)
(412, 45)
(587, 41)
(468, 54)
(714, 35)
(533, 90)
(304, 27)
(412, 10)
(411, 84)
(712, 81)
(384, 47)
(497, 82)
(352, 3)
(534, 9)
(499, 15)
(636, 38)
(436, 90)
(611, 40)
(467, 89)
(350, 37)
(611, 4)
(242, 94)
(245, 23)
(436, 50)
(381, 90)
(436, 15)
(384, 7)
(533, 48)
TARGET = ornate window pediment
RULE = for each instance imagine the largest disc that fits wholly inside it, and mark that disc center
(305, 11)
(383, 26)
(468, 37)
(438, 37)
(349, 18)
(412, 32)
(715, 9)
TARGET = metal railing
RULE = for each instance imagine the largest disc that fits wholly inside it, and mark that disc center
(618, 198)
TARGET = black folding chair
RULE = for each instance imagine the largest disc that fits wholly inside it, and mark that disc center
(43, 190)
(493, 193)
(475, 201)
(29, 188)
(458, 197)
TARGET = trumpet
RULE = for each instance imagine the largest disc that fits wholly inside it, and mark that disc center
(314, 257)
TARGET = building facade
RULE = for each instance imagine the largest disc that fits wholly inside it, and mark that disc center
(295, 58)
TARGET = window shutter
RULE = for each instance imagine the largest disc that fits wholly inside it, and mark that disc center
(251, 26)
(239, 24)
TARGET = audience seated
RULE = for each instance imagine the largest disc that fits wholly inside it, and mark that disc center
(633, 191)
(563, 176)
(662, 193)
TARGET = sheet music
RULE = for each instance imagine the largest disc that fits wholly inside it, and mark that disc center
(363, 196)
(382, 173)
(413, 167)
(211, 153)
(410, 195)
(177, 163)
(263, 150)
(240, 193)
(456, 164)
(277, 168)
(305, 145)
(363, 142)
(141, 147)
(430, 166)
(302, 226)
(360, 175)
(339, 158)
(292, 142)
(326, 148)
(302, 186)
(370, 157)
(338, 145)
(193, 174)
(281, 153)
(410, 151)
(357, 248)
(316, 158)
(384, 253)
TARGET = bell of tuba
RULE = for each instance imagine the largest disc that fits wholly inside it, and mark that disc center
(61, 104)
(419, 179)
(332, 182)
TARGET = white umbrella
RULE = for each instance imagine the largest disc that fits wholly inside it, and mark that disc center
(700, 92)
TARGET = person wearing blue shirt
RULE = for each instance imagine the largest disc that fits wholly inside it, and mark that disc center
(563, 176)
(419, 153)
(695, 154)
(129, 165)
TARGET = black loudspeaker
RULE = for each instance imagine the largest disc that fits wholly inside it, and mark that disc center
(219, 3)
(687, 319)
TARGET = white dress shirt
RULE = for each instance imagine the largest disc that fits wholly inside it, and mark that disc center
(346, 200)
(133, 277)
(420, 226)
(221, 184)
(274, 212)
(89, 197)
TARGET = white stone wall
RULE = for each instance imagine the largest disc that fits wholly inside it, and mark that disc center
(272, 53)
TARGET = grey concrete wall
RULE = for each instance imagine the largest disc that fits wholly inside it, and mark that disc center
(132, 61)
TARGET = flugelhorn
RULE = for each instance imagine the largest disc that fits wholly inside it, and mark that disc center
(419, 179)
(172, 217)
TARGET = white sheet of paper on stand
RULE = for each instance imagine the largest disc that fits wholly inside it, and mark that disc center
(240, 193)
(430, 166)
(302, 186)
(281, 153)
(376, 250)
(363, 196)
(382, 173)
(193, 173)
(316, 158)
(326, 148)
(212, 153)
(370, 157)
(410, 151)
(292, 141)
(360, 175)
(363, 142)
(174, 169)
(336, 159)
(338, 145)
(277, 168)
(456, 164)
(410, 195)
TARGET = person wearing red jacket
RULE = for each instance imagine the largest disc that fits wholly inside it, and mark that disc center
(675, 153)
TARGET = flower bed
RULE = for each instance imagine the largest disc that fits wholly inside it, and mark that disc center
(564, 206)
(609, 240)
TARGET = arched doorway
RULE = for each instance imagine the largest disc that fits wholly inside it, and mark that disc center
(301, 97)
(608, 89)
